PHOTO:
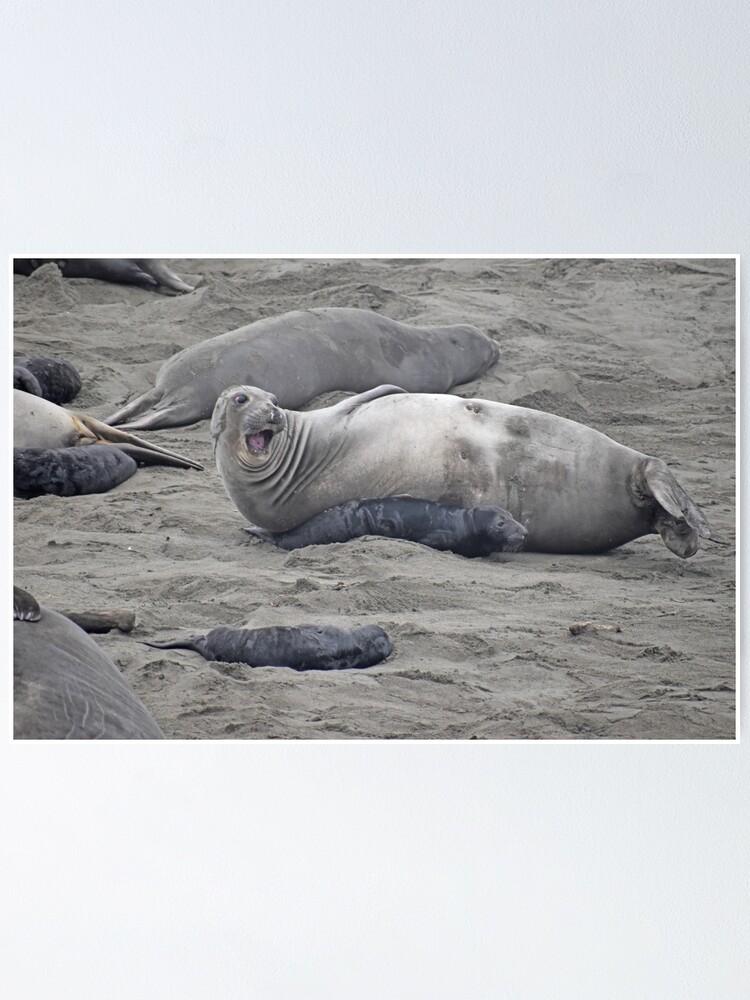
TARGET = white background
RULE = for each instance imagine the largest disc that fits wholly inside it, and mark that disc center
(373, 870)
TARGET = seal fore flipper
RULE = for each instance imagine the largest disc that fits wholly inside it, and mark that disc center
(351, 404)
(25, 607)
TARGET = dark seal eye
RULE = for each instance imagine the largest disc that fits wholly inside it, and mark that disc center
(274, 401)
(240, 398)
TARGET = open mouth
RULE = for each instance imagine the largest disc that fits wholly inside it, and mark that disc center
(258, 443)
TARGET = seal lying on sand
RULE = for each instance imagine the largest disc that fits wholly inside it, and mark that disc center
(51, 378)
(122, 270)
(65, 686)
(574, 489)
(41, 424)
(67, 472)
(302, 354)
(301, 647)
(468, 531)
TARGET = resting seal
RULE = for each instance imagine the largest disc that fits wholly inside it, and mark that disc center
(122, 270)
(65, 687)
(67, 472)
(467, 531)
(574, 489)
(37, 423)
(302, 354)
(301, 647)
(51, 378)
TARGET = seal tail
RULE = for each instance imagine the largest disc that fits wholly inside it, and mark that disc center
(137, 448)
(163, 276)
(684, 522)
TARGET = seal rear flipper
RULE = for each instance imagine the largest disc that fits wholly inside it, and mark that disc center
(195, 642)
(140, 450)
(137, 406)
(161, 274)
(679, 522)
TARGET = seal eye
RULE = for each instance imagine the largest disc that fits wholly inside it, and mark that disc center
(240, 398)
(274, 401)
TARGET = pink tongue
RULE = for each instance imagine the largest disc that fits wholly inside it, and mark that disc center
(257, 441)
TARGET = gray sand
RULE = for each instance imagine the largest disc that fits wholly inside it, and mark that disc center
(643, 350)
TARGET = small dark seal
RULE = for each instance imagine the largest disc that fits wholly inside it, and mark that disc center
(51, 378)
(467, 531)
(301, 647)
(68, 472)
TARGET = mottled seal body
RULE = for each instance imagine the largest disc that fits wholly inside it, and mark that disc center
(67, 472)
(66, 687)
(52, 378)
(301, 647)
(573, 488)
(38, 423)
(122, 270)
(302, 354)
(467, 531)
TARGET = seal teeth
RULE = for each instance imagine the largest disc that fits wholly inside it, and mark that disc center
(259, 441)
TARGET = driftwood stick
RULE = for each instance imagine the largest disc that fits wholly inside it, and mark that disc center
(103, 621)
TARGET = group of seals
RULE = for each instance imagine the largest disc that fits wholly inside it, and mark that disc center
(574, 489)
(65, 686)
(40, 424)
(467, 531)
(301, 647)
(129, 271)
(301, 354)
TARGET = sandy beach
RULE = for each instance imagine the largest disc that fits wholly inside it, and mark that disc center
(642, 350)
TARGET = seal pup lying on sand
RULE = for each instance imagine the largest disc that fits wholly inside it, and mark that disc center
(122, 270)
(301, 354)
(574, 489)
(37, 423)
(52, 378)
(67, 472)
(301, 647)
(65, 687)
(467, 531)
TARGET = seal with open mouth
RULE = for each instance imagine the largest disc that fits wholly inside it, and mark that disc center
(573, 488)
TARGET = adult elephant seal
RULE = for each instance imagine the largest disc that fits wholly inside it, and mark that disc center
(64, 684)
(573, 489)
(52, 378)
(302, 354)
(37, 423)
(67, 472)
(122, 270)
(467, 531)
(301, 647)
